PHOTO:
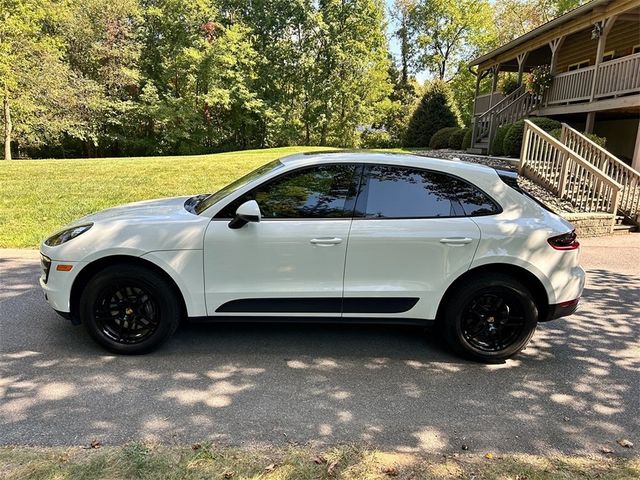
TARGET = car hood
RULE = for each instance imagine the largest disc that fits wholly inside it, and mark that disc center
(161, 208)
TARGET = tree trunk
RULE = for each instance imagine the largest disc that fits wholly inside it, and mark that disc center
(7, 125)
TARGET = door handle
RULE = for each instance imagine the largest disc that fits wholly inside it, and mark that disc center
(326, 242)
(456, 240)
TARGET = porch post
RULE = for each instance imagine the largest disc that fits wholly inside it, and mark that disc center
(591, 119)
(494, 83)
(522, 58)
(555, 45)
(605, 26)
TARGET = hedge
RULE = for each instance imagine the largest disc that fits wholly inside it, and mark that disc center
(440, 139)
(602, 141)
(497, 147)
(456, 139)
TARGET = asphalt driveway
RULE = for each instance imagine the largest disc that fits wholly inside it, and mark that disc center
(574, 390)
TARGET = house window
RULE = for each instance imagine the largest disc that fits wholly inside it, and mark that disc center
(578, 66)
(636, 49)
(608, 56)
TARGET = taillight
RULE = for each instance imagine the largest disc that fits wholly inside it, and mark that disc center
(566, 241)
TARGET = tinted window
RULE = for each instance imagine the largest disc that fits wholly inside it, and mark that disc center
(400, 192)
(318, 192)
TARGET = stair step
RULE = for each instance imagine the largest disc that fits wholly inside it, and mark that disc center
(624, 229)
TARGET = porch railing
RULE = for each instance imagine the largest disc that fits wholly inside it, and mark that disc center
(557, 167)
(619, 76)
(571, 86)
(611, 166)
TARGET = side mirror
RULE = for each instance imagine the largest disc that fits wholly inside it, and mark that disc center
(247, 212)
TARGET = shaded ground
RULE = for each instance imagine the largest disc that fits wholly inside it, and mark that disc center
(574, 390)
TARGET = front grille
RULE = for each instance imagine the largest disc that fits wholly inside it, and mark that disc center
(45, 262)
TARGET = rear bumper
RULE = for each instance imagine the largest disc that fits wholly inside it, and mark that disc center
(560, 310)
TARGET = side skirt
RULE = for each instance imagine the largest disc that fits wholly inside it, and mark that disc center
(221, 319)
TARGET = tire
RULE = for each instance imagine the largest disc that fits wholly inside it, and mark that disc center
(490, 319)
(129, 309)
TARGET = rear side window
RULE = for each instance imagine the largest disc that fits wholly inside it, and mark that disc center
(401, 192)
(326, 191)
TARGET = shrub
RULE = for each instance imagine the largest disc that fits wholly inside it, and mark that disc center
(457, 138)
(512, 143)
(539, 80)
(466, 141)
(436, 110)
(497, 147)
(440, 139)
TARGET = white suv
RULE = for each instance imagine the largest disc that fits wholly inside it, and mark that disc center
(342, 237)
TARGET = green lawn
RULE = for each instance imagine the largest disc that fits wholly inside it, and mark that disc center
(146, 461)
(39, 196)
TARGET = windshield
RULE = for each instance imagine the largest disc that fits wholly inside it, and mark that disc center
(239, 183)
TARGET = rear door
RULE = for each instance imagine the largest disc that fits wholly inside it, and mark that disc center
(410, 238)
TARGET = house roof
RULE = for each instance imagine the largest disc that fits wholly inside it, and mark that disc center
(570, 15)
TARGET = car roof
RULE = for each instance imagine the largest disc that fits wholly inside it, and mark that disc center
(390, 158)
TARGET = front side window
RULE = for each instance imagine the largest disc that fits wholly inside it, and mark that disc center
(401, 192)
(326, 191)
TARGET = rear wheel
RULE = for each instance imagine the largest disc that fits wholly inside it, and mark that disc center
(490, 320)
(129, 309)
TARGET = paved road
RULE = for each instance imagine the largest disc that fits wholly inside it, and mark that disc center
(575, 389)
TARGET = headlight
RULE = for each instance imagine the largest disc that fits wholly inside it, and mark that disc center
(66, 235)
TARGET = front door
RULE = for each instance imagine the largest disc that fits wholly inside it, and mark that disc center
(292, 262)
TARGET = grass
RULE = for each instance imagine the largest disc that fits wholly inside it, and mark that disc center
(37, 197)
(149, 461)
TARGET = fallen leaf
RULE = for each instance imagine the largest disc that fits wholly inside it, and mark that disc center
(271, 467)
(228, 474)
(332, 467)
(94, 444)
(390, 470)
(489, 456)
(623, 442)
(606, 450)
(196, 446)
(319, 460)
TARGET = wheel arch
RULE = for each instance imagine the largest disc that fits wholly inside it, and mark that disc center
(95, 266)
(529, 279)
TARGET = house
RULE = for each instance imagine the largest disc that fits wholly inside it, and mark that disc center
(593, 53)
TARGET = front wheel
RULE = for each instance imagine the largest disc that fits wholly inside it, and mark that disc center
(490, 319)
(129, 309)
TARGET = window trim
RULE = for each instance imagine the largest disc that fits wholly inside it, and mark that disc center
(635, 49)
(359, 212)
(611, 53)
(359, 168)
(578, 65)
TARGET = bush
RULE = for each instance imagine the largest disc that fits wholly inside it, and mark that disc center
(440, 139)
(466, 141)
(436, 110)
(497, 147)
(457, 138)
(512, 143)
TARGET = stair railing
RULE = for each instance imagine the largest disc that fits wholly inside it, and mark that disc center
(482, 123)
(555, 166)
(612, 166)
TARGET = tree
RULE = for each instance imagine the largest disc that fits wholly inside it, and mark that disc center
(449, 33)
(436, 110)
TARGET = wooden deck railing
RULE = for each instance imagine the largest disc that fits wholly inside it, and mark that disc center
(619, 76)
(482, 123)
(611, 166)
(549, 162)
(571, 86)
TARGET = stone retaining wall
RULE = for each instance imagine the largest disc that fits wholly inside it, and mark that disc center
(590, 224)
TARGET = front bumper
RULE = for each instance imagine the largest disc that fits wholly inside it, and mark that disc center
(57, 284)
